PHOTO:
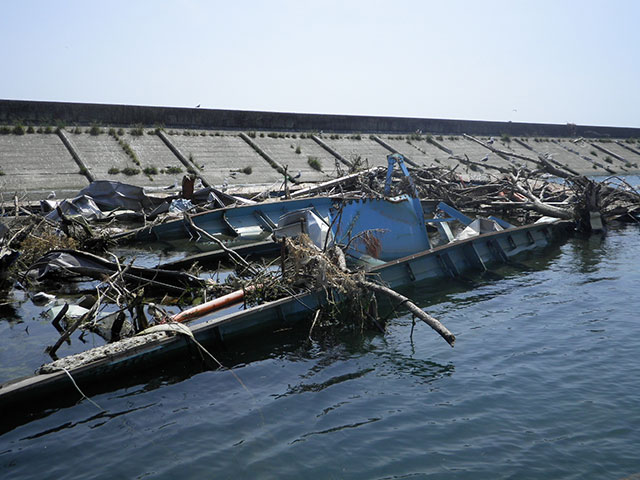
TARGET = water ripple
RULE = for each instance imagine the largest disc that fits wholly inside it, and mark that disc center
(542, 383)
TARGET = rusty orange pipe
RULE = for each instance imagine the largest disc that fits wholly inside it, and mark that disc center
(212, 305)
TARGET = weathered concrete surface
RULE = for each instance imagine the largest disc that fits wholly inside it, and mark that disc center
(421, 151)
(254, 156)
(296, 153)
(86, 113)
(222, 156)
(358, 148)
(513, 147)
(589, 156)
(475, 152)
(627, 158)
(36, 164)
(559, 153)
(101, 153)
(153, 154)
(629, 151)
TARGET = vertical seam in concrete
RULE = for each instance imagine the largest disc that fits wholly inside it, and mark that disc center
(331, 151)
(184, 160)
(265, 155)
(393, 150)
(76, 155)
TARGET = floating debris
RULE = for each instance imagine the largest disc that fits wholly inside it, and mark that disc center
(336, 250)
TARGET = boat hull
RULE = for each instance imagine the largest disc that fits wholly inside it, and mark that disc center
(448, 261)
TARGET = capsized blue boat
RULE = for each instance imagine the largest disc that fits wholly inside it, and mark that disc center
(372, 229)
(379, 229)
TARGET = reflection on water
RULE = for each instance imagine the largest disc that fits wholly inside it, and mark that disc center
(96, 420)
(590, 251)
(542, 383)
(8, 310)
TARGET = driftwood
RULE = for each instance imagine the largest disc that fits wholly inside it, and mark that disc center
(413, 308)
(233, 255)
(72, 328)
(539, 206)
(334, 183)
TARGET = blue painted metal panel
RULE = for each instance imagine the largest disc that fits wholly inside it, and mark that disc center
(381, 229)
(228, 221)
(449, 210)
(391, 161)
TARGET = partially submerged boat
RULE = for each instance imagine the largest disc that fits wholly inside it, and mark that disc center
(380, 228)
(398, 253)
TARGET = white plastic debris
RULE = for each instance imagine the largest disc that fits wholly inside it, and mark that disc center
(292, 224)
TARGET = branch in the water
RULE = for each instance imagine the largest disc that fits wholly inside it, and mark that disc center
(413, 308)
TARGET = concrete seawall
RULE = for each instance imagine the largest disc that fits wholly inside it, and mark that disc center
(120, 115)
(253, 148)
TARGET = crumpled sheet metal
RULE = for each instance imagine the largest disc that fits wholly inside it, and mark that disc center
(65, 263)
(70, 263)
(81, 205)
(109, 195)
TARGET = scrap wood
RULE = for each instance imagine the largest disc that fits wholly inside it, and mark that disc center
(413, 308)
(540, 206)
(76, 262)
(335, 182)
(329, 270)
(233, 255)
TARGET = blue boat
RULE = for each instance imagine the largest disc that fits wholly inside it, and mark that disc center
(381, 229)
(481, 243)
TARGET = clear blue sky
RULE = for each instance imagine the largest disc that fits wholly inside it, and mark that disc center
(521, 60)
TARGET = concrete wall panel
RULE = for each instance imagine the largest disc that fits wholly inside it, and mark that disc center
(421, 151)
(101, 153)
(560, 154)
(369, 151)
(153, 154)
(223, 156)
(36, 164)
(85, 113)
(283, 151)
(630, 157)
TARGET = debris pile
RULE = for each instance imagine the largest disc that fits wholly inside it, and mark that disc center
(523, 192)
(72, 240)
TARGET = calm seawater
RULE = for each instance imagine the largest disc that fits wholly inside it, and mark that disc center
(544, 382)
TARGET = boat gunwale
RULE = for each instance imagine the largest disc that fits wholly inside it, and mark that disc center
(482, 236)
